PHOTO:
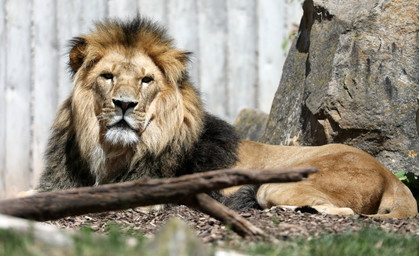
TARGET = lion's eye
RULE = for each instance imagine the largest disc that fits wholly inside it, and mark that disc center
(146, 79)
(107, 76)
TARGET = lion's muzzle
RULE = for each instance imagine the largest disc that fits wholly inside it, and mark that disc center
(124, 105)
(124, 123)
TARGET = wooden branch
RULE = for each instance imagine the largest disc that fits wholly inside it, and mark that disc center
(210, 206)
(59, 204)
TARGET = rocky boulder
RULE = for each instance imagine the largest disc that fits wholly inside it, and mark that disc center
(352, 77)
(250, 124)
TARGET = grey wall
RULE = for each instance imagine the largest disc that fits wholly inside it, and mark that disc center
(238, 50)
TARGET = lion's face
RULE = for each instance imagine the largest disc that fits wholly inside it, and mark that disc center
(131, 97)
(125, 87)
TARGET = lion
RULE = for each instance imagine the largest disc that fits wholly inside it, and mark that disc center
(134, 113)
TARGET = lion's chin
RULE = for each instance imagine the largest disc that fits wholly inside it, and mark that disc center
(121, 136)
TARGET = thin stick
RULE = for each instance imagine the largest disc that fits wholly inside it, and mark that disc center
(208, 205)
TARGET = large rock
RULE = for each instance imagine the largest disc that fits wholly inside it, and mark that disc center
(417, 118)
(250, 124)
(352, 77)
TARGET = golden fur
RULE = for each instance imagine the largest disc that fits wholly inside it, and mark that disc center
(168, 108)
(133, 63)
(349, 180)
(134, 113)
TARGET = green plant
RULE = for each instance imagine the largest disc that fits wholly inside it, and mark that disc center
(275, 220)
(411, 181)
(11, 243)
(86, 242)
(285, 43)
(115, 242)
(368, 241)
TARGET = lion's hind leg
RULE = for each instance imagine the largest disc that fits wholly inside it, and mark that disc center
(397, 202)
(331, 209)
(297, 196)
(327, 209)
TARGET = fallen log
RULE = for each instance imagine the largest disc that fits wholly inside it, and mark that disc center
(144, 192)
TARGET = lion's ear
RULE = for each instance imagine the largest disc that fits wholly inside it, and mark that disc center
(173, 63)
(77, 53)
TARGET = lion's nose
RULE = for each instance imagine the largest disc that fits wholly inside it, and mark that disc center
(124, 105)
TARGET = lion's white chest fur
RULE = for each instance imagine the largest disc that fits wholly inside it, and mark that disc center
(106, 165)
(119, 135)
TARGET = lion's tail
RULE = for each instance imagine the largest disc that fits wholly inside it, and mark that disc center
(397, 202)
(242, 199)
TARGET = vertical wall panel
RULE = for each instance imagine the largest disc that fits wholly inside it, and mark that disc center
(68, 25)
(92, 11)
(155, 10)
(242, 64)
(182, 25)
(237, 61)
(213, 53)
(271, 56)
(122, 8)
(44, 96)
(18, 95)
(292, 13)
(3, 51)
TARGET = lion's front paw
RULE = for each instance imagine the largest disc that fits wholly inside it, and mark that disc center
(152, 208)
(27, 193)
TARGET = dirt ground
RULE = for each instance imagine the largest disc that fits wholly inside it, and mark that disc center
(277, 223)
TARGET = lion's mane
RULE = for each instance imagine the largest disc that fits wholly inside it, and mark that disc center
(181, 139)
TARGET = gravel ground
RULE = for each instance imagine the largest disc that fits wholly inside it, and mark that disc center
(278, 223)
